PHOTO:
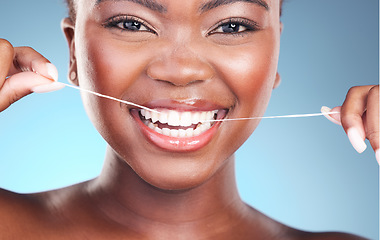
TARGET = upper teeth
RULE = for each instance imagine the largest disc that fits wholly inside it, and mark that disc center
(175, 118)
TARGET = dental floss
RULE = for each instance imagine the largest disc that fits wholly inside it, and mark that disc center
(112, 98)
(271, 117)
(217, 120)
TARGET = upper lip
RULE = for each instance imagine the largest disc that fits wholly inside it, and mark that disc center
(184, 105)
(174, 128)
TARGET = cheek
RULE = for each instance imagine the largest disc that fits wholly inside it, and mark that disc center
(250, 73)
(112, 67)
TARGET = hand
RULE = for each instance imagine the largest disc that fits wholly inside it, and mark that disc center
(359, 116)
(23, 71)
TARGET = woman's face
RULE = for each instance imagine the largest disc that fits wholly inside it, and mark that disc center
(191, 60)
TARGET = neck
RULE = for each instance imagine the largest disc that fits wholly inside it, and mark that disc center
(130, 201)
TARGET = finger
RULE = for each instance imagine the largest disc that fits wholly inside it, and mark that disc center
(6, 50)
(26, 59)
(372, 119)
(335, 118)
(351, 116)
(22, 84)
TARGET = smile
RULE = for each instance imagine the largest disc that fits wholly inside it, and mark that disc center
(179, 128)
(179, 124)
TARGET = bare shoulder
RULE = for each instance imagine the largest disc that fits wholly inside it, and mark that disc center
(30, 214)
(280, 231)
(14, 205)
(17, 212)
(295, 234)
(326, 236)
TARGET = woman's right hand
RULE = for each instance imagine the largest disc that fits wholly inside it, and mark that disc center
(23, 71)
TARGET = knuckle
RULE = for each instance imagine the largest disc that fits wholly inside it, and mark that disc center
(26, 49)
(352, 91)
(350, 119)
(12, 93)
(373, 135)
(6, 47)
(374, 92)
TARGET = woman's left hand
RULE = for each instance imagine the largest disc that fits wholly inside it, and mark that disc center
(359, 116)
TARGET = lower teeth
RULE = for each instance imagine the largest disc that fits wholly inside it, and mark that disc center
(181, 133)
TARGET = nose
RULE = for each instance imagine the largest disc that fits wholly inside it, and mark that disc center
(180, 66)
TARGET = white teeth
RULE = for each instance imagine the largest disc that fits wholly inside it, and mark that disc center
(210, 115)
(203, 117)
(197, 131)
(185, 119)
(195, 117)
(154, 117)
(166, 131)
(202, 120)
(150, 125)
(189, 132)
(163, 117)
(148, 115)
(159, 130)
(173, 118)
(181, 133)
(174, 133)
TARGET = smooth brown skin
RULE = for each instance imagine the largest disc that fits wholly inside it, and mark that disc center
(144, 192)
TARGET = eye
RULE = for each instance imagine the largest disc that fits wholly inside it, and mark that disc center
(231, 28)
(132, 25)
(127, 23)
(235, 26)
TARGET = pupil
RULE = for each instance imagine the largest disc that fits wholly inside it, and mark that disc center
(132, 25)
(231, 27)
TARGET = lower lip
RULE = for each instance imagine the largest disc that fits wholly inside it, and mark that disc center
(175, 144)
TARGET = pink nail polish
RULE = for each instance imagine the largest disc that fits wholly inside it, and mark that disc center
(377, 155)
(356, 140)
(325, 110)
(52, 71)
(54, 86)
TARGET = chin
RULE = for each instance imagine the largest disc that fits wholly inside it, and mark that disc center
(178, 173)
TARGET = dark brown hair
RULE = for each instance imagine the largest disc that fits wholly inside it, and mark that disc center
(71, 8)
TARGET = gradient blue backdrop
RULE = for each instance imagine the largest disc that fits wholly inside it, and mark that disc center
(302, 172)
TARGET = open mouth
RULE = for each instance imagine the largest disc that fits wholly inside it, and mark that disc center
(183, 124)
(179, 130)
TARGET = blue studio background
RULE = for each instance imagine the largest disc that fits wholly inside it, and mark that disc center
(302, 172)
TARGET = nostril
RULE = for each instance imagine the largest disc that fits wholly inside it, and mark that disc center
(180, 83)
(196, 82)
(180, 71)
(188, 83)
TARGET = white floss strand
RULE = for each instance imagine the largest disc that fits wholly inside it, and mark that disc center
(217, 120)
(109, 97)
(272, 117)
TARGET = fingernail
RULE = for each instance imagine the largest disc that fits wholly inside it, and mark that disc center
(52, 71)
(48, 87)
(356, 140)
(377, 155)
(325, 110)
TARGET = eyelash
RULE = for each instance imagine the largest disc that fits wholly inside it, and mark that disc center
(115, 21)
(250, 26)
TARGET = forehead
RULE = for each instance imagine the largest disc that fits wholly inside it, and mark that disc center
(203, 5)
(190, 8)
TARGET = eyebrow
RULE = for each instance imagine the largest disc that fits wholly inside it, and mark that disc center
(150, 4)
(216, 3)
